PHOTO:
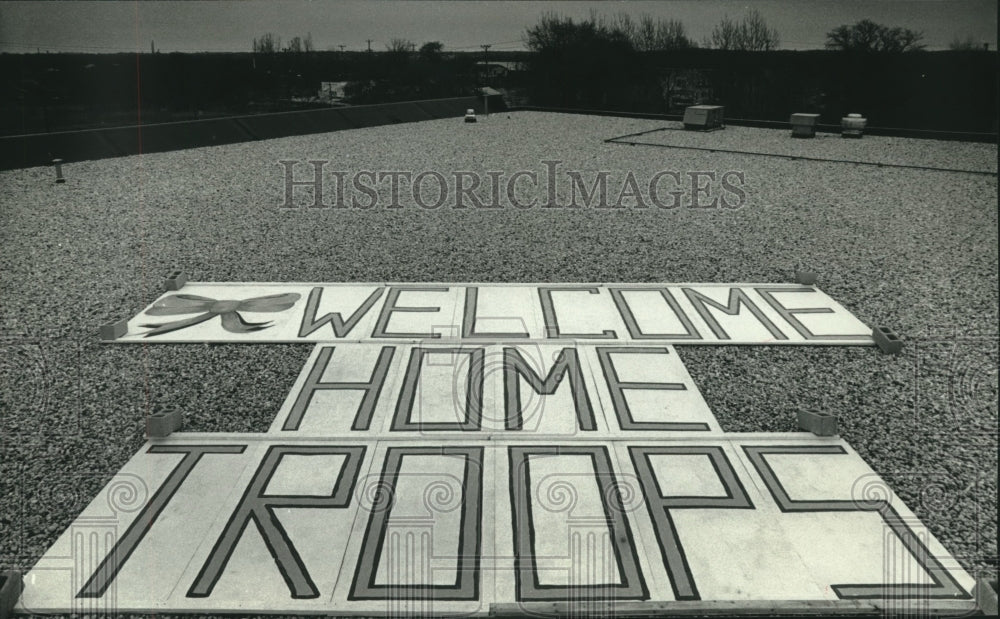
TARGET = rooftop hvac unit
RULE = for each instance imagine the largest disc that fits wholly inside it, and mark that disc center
(804, 125)
(703, 117)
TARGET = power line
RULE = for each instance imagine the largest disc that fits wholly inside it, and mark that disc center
(494, 44)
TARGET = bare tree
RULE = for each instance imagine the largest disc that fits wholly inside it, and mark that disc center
(725, 35)
(401, 45)
(623, 23)
(757, 35)
(649, 34)
(585, 63)
(867, 36)
(431, 51)
(551, 32)
(966, 44)
(671, 34)
(750, 34)
(645, 39)
(267, 43)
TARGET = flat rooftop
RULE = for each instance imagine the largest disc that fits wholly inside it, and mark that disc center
(912, 248)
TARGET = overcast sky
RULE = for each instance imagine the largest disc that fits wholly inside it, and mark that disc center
(104, 26)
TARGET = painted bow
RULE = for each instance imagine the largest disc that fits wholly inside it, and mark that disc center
(210, 308)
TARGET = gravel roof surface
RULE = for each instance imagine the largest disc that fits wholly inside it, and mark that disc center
(871, 149)
(910, 249)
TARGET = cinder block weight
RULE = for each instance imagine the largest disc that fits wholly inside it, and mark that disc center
(162, 424)
(820, 424)
(11, 586)
(887, 340)
(114, 330)
(806, 278)
(175, 281)
(985, 593)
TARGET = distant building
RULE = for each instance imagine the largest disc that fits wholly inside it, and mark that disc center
(331, 91)
(498, 69)
(685, 87)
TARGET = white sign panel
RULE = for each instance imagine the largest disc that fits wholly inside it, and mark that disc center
(664, 313)
(257, 523)
(479, 448)
(529, 389)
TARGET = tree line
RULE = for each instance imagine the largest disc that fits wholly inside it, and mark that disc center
(619, 63)
(653, 65)
(270, 43)
(750, 33)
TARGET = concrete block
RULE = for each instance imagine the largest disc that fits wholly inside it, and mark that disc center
(164, 423)
(985, 593)
(806, 278)
(175, 281)
(887, 340)
(820, 424)
(703, 117)
(114, 330)
(11, 586)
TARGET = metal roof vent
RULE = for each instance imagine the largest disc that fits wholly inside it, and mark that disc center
(853, 126)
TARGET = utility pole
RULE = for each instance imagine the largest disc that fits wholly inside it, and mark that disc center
(152, 46)
(369, 44)
(486, 63)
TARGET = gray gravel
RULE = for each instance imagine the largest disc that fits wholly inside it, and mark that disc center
(913, 250)
(870, 149)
